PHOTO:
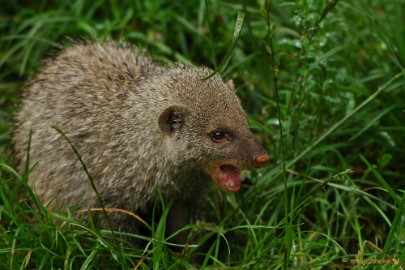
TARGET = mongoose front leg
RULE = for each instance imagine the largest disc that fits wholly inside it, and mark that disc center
(177, 219)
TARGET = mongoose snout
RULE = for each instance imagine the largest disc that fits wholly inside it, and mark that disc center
(260, 160)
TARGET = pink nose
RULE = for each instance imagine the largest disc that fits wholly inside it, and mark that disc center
(260, 160)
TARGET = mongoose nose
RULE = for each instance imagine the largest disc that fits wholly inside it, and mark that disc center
(260, 160)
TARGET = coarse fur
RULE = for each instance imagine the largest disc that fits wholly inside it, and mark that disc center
(138, 126)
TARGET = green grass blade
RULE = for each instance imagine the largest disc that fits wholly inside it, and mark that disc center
(372, 122)
(238, 29)
(382, 181)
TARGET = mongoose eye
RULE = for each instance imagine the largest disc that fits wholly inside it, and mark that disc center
(220, 137)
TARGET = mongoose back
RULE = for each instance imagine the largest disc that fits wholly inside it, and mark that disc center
(138, 126)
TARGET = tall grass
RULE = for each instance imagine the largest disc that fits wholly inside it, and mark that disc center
(322, 82)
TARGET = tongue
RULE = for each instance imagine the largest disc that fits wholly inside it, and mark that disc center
(230, 178)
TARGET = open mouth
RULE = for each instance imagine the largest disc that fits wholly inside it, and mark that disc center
(230, 178)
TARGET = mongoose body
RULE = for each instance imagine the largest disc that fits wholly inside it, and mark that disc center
(138, 126)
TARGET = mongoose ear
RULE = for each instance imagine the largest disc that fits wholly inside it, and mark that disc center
(172, 119)
(230, 84)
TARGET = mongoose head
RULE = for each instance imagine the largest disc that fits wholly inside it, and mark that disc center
(205, 126)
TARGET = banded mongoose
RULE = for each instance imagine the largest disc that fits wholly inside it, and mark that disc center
(138, 125)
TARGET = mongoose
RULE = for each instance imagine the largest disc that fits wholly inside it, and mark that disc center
(138, 125)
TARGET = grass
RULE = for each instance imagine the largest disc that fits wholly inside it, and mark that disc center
(322, 82)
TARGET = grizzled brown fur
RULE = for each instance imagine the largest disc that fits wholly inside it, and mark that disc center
(138, 125)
